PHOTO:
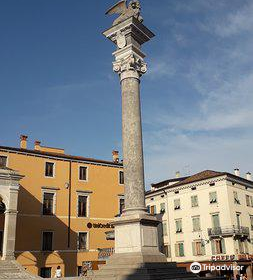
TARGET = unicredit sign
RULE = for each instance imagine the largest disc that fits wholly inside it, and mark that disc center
(90, 225)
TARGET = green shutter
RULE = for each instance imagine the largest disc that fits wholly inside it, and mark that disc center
(181, 249)
(216, 221)
(192, 199)
(223, 246)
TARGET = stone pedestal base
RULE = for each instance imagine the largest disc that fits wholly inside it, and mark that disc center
(137, 233)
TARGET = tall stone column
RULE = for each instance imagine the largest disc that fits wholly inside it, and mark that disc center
(132, 142)
(136, 230)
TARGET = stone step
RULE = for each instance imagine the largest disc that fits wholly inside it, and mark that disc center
(12, 270)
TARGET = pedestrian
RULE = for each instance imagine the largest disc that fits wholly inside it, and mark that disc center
(237, 277)
(58, 273)
(245, 277)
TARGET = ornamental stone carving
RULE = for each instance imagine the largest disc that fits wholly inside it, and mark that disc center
(131, 64)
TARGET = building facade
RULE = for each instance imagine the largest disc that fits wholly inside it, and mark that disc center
(207, 217)
(65, 206)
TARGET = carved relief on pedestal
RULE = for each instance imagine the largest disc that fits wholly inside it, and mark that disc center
(130, 63)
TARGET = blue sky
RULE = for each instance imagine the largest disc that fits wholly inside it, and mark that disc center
(57, 83)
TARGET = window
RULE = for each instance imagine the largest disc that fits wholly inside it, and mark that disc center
(82, 173)
(251, 222)
(49, 169)
(213, 197)
(236, 199)
(179, 249)
(162, 208)
(194, 201)
(82, 205)
(47, 241)
(218, 246)
(164, 229)
(3, 161)
(248, 200)
(48, 203)
(198, 249)
(241, 247)
(177, 204)
(121, 205)
(178, 225)
(166, 251)
(215, 220)
(45, 272)
(121, 177)
(148, 209)
(196, 223)
(251, 201)
(238, 220)
(82, 241)
(153, 210)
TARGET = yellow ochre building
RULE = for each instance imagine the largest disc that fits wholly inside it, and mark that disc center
(65, 206)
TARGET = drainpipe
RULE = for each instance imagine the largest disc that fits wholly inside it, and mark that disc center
(69, 202)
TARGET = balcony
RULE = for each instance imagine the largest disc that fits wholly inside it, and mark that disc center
(236, 231)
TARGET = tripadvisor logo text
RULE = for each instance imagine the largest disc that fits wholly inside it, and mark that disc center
(196, 267)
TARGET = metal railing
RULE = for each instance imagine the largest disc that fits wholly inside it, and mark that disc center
(228, 231)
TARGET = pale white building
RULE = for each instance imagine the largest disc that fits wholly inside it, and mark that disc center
(205, 217)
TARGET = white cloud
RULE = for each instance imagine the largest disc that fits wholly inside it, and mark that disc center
(216, 133)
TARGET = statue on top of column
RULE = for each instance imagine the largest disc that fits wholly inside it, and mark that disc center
(132, 10)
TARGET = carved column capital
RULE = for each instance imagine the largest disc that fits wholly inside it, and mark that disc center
(130, 67)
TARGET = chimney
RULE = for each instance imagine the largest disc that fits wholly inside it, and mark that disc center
(178, 174)
(115, 156)
(37, 145)
(237, 172)
(248, 176)
(23, 141)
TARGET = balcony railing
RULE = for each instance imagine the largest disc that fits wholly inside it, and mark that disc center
(229, 231)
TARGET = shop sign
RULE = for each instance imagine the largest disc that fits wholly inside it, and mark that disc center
(99, 225)
(241, 257)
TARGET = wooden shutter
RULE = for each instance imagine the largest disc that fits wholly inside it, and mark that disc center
(213, 247)
(193, 249)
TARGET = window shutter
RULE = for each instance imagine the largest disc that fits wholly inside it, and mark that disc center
(213, 247)
(223, 246)
(181, 249)
(169, 251)
(203, 249)
(176, 250)
(246, 246)
(193, 249)
(192, 200)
